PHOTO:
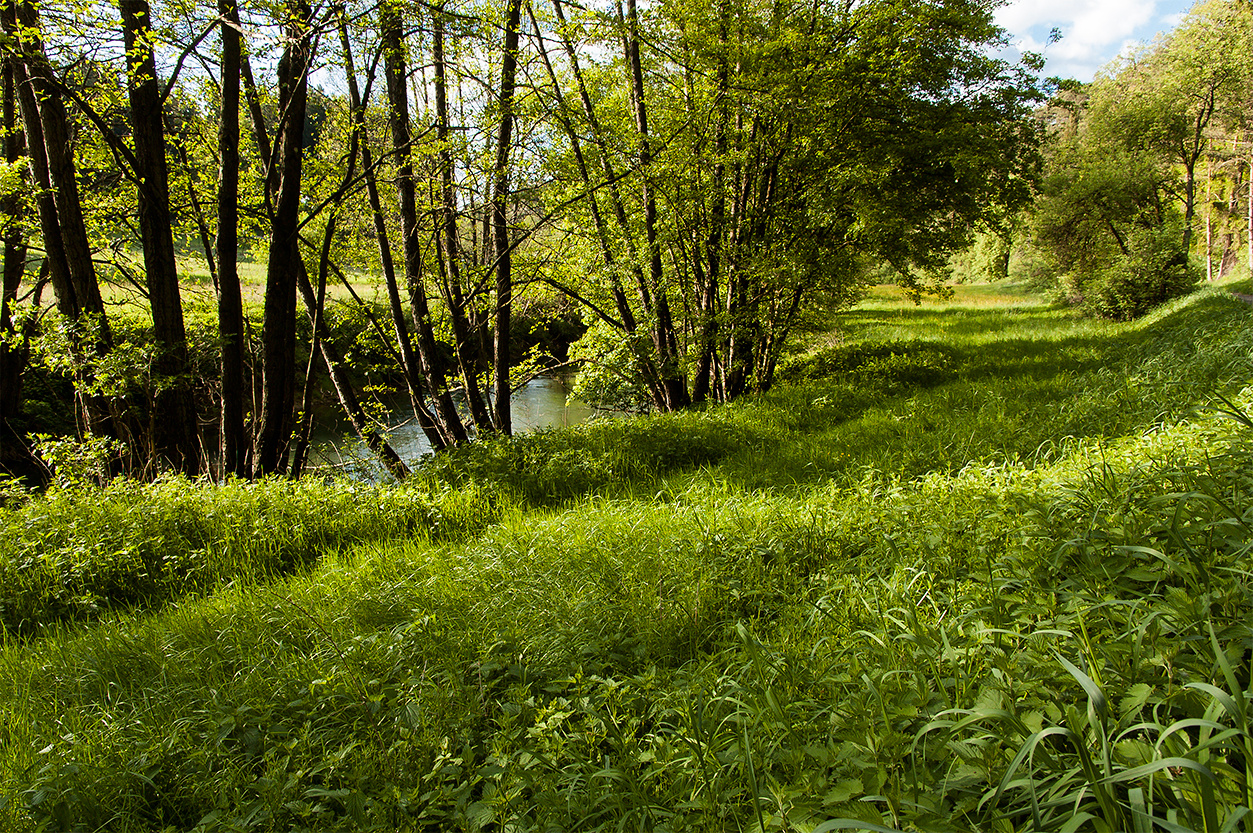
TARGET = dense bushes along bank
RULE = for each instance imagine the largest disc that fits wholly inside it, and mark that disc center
(1006, 591)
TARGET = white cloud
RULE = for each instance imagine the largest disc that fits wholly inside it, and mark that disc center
(1021, 15)
(1094, 32)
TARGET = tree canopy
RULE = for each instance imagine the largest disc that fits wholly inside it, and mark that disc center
(1159, 152)
(695, 178)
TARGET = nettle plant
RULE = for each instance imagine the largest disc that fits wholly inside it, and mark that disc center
(77, 462)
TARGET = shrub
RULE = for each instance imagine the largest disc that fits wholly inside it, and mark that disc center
(1154, 270)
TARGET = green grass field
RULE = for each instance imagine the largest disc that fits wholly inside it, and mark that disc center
(977, 565)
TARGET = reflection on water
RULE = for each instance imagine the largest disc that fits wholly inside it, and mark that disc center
(541, 403)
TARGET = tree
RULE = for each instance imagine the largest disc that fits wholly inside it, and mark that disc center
(716, 174)
(502, 246)
(801, 142)
(177, 439)
(1119, 211)
(1168, 100)
(14, 338)
(1108, 224)
(402, 145)
(278, 329)
(70, 267)
(233, 435)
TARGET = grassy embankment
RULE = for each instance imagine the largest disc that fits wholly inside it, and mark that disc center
(984, 566)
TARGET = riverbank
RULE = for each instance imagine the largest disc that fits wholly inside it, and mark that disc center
(979, 566)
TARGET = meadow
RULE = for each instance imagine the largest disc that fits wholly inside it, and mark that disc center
(975, 565)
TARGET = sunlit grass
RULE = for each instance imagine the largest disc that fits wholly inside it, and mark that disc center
(196, 284)
(964, 296)
(986, 568)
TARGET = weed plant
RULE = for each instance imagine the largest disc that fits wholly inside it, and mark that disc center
(76, 553)
(991, 579)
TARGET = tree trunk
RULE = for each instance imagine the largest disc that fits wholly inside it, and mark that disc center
(50, 226)
(14, 348)
(664, 340)
(233, 434)
(647, 365)
(409, 360)
(278, 333)
(398, 116)
(176, 426)
(1190, 155)
(1209, 221)
(51, 161)
(708, 302)
(449, 246)
(58, 151)
(500, 228)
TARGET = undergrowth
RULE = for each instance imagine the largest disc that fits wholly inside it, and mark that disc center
(77, 553)
(1008, 591)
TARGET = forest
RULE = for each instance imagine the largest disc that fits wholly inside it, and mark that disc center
(926, 503)
(407, 194)
(220, 220)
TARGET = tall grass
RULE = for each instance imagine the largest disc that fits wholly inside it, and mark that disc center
(931, 586)
(908, 654)
(76, 553)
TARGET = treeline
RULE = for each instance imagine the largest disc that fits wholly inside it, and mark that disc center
(697, 177)
(1146, 188)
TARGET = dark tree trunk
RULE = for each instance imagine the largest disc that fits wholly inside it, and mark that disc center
(665, 341)
(233, 434)
(69, 213)
(278, 334)
(646, 365)
(402, 138)
(50, 226)
(708, 302)
(500, 227)
(453, 294)
(14, 348)
(176, 430)
(273, 170)
(58, 152)
(51, 161)
(410, 363)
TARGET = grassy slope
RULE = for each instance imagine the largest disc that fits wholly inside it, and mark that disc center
(987, 568)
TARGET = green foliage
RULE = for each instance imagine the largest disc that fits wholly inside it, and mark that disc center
(1019, 602)
(78, 463)
(985, 259)
(608, 377)
(1154, 270)
(1104, 225)
(1136, 157)
(77, 553)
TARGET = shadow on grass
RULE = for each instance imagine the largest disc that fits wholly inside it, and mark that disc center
(1004, 389)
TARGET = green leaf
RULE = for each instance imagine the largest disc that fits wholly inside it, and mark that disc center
(1089, 686)
(852, 824)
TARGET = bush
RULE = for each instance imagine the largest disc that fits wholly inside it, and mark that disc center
(607, 377)
(1155, 270)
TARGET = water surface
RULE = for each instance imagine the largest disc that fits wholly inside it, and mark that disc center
(542, 402)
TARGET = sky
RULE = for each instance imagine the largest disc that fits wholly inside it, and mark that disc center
(1094, 32)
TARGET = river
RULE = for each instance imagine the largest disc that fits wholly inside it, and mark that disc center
(542, 403)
